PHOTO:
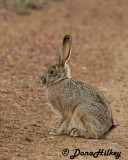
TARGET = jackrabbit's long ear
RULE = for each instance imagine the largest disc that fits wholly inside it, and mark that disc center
(65, 50)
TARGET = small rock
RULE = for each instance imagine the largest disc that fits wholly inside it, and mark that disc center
(18, 155)
(25, 127)
(84, 68)
(117, 110)
(103, 89)
(35, 125)
(27, 85)
(28, 139)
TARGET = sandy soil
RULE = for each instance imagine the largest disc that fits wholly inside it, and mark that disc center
(30, 44)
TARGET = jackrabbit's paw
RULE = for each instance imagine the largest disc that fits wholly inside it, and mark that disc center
(75, 132)
(66, 132)
(55, 133)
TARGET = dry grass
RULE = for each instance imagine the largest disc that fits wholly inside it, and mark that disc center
(21, 6)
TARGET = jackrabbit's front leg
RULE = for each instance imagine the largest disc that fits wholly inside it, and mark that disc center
(63, 127)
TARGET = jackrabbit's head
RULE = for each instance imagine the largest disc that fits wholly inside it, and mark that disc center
(61, 70)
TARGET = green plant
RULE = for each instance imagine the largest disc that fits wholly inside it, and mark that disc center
(20, 6)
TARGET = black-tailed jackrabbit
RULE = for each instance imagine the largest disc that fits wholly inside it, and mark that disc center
(80, 105)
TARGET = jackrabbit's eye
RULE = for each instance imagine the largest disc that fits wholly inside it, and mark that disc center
(52, 72)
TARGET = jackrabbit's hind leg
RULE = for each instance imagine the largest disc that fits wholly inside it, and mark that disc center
(83, 125)
(80, 133)
(63, 127)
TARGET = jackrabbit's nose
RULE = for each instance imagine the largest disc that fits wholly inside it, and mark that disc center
(43, 80)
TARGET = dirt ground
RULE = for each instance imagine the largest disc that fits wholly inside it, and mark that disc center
(30, 44)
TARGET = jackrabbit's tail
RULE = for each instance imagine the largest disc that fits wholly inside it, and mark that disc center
(108, 132)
